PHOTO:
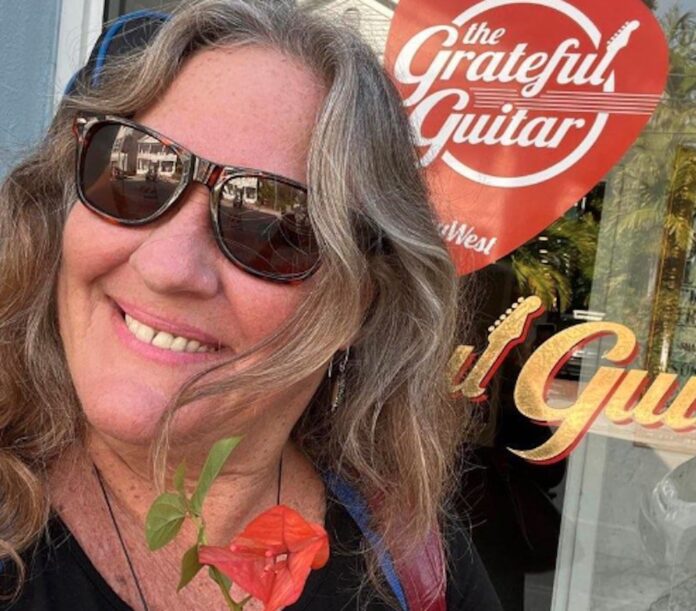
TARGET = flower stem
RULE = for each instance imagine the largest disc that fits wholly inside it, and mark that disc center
(228, 599)
(223, 584)
(200, 527)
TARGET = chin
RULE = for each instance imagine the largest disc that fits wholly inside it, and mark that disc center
(131, 419)
(130, 416)
(122, 427)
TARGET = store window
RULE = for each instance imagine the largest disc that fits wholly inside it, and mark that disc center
(613, 525)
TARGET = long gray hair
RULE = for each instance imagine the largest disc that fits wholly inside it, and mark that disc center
(397, 435)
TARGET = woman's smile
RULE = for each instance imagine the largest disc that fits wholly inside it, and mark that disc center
(168, 332)
(163, 341)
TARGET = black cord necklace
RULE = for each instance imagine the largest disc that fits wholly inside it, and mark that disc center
(120, 536)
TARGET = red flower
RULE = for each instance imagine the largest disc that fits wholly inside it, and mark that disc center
(272, 557)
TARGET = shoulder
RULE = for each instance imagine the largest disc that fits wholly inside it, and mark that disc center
(55, 576)
(468, 584)
(342, 579)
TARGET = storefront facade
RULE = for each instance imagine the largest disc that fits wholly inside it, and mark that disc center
(610, 522)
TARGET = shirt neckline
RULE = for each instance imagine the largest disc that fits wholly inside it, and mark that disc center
(334, 522)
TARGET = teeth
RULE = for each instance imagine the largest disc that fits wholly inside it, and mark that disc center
(192, 346)
(165, 340)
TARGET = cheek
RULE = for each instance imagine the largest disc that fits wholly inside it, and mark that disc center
(93, 246)
(261, 306)
(91, 249)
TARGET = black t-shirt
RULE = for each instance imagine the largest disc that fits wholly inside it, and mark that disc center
(62, 578)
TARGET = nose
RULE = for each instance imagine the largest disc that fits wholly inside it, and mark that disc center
(178, 253)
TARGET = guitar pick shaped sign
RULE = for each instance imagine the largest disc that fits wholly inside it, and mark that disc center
(520, 107)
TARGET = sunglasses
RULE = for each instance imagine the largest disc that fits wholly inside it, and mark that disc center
(131, 174)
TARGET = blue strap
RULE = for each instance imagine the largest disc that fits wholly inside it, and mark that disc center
(71, 83)
(357, 508)
(106, 39)
(114, 29)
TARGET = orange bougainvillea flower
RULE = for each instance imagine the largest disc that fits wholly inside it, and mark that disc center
(272, 557)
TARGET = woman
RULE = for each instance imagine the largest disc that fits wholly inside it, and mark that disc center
(146, 314)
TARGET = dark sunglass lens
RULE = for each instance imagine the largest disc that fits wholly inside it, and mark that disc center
(265, 226)
(126, 173)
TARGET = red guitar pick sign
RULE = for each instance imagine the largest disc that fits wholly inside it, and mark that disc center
(520, 107)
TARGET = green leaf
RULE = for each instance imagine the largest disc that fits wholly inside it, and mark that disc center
(164, 520)
(189, 566)
(179, 475)
(217, 456)
(220, 578)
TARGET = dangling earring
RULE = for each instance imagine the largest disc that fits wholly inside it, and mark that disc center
(338, 391)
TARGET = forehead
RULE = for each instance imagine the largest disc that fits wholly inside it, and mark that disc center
(248, 106)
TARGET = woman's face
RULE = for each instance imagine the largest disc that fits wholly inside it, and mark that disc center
(249, 107)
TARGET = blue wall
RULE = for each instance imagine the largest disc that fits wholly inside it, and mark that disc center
(28, 43)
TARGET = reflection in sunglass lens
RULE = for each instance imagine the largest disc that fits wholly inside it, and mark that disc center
(265, 226)
(126, 173)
